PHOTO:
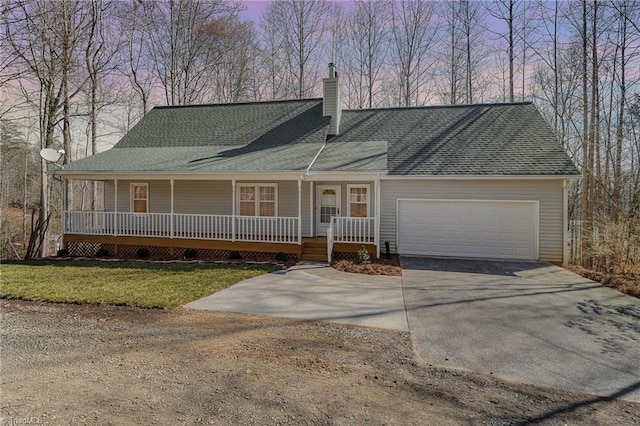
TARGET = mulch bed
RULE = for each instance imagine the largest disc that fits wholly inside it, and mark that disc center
(384, 266)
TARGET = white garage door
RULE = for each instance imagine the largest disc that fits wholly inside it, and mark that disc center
(466, 228)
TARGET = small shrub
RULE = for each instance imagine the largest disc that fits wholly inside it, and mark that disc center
(102, 252)
(143, 253)
(235, 255)
(387, 248)
(63, 253)
(363, 256)
(190, 254)
(281, 257)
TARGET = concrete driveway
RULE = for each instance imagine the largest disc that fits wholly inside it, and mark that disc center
(528, 321)
(316, 292)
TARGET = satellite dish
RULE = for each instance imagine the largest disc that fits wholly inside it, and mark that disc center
(51, 155)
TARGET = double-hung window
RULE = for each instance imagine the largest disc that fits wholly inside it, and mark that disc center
(257, 199)
(358, 200)
(140, 197)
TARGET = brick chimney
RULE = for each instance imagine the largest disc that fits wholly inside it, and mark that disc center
(331, 102)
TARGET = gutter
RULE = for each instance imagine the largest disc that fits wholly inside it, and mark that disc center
(480, 177)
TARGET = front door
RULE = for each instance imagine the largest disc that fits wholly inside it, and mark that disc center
(327, 205)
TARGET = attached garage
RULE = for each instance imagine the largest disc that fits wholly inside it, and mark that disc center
(503, 229)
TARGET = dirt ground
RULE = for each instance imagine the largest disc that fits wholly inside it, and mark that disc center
(82, 364)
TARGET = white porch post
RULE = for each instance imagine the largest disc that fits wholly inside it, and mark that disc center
(299, 210)
(233, 209)
(115, 207)
(376, 220)
(311, 218)
(171, 182)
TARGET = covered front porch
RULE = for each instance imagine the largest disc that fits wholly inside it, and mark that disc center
(311, 219)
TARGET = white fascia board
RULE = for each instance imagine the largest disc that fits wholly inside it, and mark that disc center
(182, 176)
(312, 176)
(341, 176)
(481, 177)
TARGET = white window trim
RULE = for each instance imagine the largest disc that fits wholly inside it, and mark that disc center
(131, 192)
(257, 187)
(360, 185)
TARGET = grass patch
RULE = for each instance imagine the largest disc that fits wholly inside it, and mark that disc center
(142, 284)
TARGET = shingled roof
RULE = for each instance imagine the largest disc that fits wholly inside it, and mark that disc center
(477, 140)
(495, 139)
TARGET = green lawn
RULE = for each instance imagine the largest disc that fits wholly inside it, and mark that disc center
(146, 285)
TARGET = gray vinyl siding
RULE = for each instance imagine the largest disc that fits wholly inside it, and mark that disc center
(206, 197)
(202, 197)
(159, 195)
(548, 192)
(306, 219)
(108, 196)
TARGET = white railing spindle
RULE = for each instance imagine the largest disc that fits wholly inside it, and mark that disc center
(214, 227)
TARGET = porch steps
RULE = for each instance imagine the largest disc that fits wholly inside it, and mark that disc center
(315, 251)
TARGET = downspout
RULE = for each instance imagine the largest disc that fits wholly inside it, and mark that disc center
(307, 172)
(376, 224)
(300, 210)
(315, 158)
(311, 218)
(565, 222)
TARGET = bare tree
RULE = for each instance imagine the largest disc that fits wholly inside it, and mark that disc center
(177, 46)
(45, 38)
(472, 17)
(367, 47)
(296, 30)
(452, 52)
(414, 31)
(231, 44)
(505, 10)
(135, 62)
(99, 54)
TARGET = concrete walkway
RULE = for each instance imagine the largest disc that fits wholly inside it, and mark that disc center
(316, 292)
(528, 321)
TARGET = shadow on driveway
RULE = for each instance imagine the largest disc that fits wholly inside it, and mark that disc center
(529, 321)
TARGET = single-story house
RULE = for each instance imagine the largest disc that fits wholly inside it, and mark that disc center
(309, 179)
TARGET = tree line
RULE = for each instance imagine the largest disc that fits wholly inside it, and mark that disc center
(77, 74)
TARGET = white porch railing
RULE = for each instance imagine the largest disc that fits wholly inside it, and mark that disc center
(191, 226)
(267, 229)
(355, 230)
(358, 230)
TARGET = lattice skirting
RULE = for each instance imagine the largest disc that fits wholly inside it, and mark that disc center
(85, 249)
(344, 256)
(81, 249)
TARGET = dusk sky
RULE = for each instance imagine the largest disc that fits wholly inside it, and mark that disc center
(255, 8)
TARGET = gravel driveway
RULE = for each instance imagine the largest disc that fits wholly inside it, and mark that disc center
(524, 320)
(106, 365)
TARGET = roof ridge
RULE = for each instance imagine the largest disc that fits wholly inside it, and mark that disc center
(237, 103)
(441, 106)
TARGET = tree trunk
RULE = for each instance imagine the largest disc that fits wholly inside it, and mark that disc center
(510, 22)
(586, 231)
(617, 165)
